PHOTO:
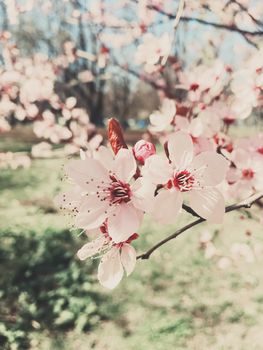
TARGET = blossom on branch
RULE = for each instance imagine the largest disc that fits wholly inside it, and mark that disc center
(183, 173)
(115, 257)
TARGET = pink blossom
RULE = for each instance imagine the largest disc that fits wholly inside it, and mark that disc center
(107, 191)
(224, 263)
(14, 161)
(242, 250)
(116, 257)
(143, 150)
(245, 177)
(162, 119)
(197, 176)
(152, 50)
(85, 76)
(41, 150)
(196, 81)
(4, 125)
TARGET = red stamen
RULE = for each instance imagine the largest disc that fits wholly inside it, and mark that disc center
(247, 174)
(194, 87)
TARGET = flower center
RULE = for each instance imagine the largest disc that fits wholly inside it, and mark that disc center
(260, 150)
(183, 181)
(247, 174)
(194, 87)
(119, 192)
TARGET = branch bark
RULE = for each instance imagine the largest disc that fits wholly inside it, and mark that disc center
(221, 26)
(230, 28)
(247, 203)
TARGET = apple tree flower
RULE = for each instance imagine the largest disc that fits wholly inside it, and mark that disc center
(115, 257)
(107, 191)
(182, 173)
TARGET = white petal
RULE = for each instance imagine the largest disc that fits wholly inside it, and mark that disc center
(210, 167)
(110, 270)
(124, 165)
(180, 147)
(196, 127)
(91, 248)
(70, 199)
(167, 205)
(143, 194)
(104, 156)
(157, 170)
(87, 170)
(92, 213)
(182, 123)
(128, 258)
(168, 107)
(124, 222)
(209, 204)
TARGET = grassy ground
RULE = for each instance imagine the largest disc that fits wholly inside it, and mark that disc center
(176, 300)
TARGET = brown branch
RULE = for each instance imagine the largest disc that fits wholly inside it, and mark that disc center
(245, 9)
(190, 210)
(231, 28)
(222, 26)
(247, 203)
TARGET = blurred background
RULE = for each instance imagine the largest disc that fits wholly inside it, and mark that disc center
(65, 68)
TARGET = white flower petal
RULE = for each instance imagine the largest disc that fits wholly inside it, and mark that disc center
(124, 222)
(209, 204)
(157, 170)
(92, 213)
(86, 173)
(128, 258)
(91, 248)
(167, 205)
(143, 194)
(110, 270)
(124, 165)
(70, 199)
(182, 123)
(180, 147)
(211, 167)
(196, 127)
(105, 157)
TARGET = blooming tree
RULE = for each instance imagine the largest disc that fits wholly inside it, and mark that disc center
(197, 166)
(114, 190)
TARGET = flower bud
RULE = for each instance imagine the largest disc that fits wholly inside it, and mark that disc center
(143, 150)
(115, 135)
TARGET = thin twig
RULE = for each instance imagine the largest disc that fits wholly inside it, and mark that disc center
(247, 203)
(222, 26)
(231, 28)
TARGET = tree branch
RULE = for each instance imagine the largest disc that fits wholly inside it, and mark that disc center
(222, 26)
(247, 203)
(231, 28)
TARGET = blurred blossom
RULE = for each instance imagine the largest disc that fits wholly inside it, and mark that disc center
(163, 118)
(210, 250)
(85, 76)
(152, 50)
(242, 250)
(14, 161)
(41, 150)
(224, 263)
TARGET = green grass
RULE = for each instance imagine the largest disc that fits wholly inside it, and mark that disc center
(176, 300)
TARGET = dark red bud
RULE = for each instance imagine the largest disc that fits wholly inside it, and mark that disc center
(115, 135)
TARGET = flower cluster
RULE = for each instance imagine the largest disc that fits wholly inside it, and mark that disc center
(31, 92)
(112, 194)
